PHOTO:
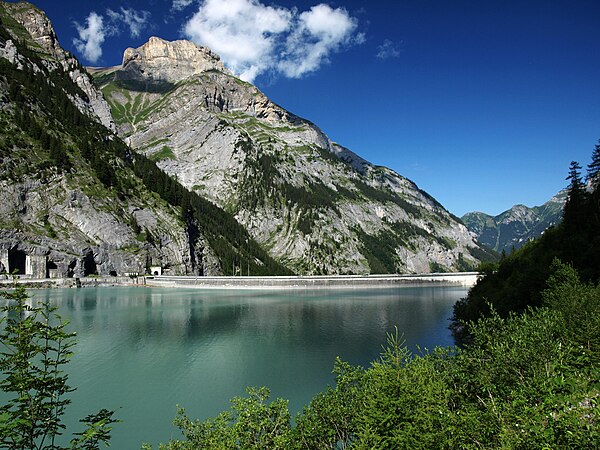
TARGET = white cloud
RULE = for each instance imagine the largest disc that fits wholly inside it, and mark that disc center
(134, 20)
(179, 5)
(91, 37)
(97, 29)
(253, 38)
(242, 32)
(318, 33)
(387, 50)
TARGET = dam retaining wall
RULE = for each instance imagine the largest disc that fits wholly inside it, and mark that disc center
(465, 279)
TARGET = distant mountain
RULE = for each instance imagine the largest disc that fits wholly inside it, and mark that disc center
(520, 224)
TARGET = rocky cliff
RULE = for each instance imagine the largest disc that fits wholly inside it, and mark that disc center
(516, 226)
(313, 204)
(161, 60)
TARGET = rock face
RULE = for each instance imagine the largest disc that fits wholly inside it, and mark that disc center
(314, 205)
(517, 226)
(81, 235)
(42, 38)
(160, 60)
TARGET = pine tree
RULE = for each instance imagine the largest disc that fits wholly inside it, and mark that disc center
(593, 172)
(576, 196)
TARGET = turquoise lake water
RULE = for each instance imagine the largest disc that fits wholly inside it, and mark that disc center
(142, 351)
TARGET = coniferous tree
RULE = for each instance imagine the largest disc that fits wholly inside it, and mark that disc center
(35, 348)
(593, 172)
(593, 203)
(572, 213)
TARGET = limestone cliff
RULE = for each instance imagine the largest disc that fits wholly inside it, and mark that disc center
(160, 60)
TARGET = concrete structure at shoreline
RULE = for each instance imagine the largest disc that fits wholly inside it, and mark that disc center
(34, 266)
(464, 279)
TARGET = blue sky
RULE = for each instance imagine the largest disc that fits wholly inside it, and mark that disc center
(482, 103)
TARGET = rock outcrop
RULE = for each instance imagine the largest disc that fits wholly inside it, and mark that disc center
(160, 60)
(80, 235)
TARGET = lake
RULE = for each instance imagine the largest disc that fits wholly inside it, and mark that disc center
(142, 351)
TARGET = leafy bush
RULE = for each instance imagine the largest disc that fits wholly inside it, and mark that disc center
(252, 423)
(35, 348)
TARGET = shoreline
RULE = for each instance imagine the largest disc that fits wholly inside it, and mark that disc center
(462, 279)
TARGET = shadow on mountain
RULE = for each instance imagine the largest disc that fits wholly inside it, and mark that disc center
(147, 85)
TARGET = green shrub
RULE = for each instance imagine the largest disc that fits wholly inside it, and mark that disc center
(35, 348)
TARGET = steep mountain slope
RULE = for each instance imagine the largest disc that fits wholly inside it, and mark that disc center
(28, 23)
(75, 199)
(314, 205)
(516, 226)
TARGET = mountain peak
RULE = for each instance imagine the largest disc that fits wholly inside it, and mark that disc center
(170, 61)
(31, 27)
(38, 26)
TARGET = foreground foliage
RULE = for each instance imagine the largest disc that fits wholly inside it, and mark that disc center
(526, 381)
(35, 348)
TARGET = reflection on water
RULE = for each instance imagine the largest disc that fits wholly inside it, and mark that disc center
(146, 350)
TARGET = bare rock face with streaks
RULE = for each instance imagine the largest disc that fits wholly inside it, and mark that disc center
(313, 204)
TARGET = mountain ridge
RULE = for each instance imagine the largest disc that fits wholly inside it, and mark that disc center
(76, 200)
(516, 226)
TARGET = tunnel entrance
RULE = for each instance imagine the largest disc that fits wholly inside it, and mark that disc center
(17, 262)
(89, 265)
(51, 269)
